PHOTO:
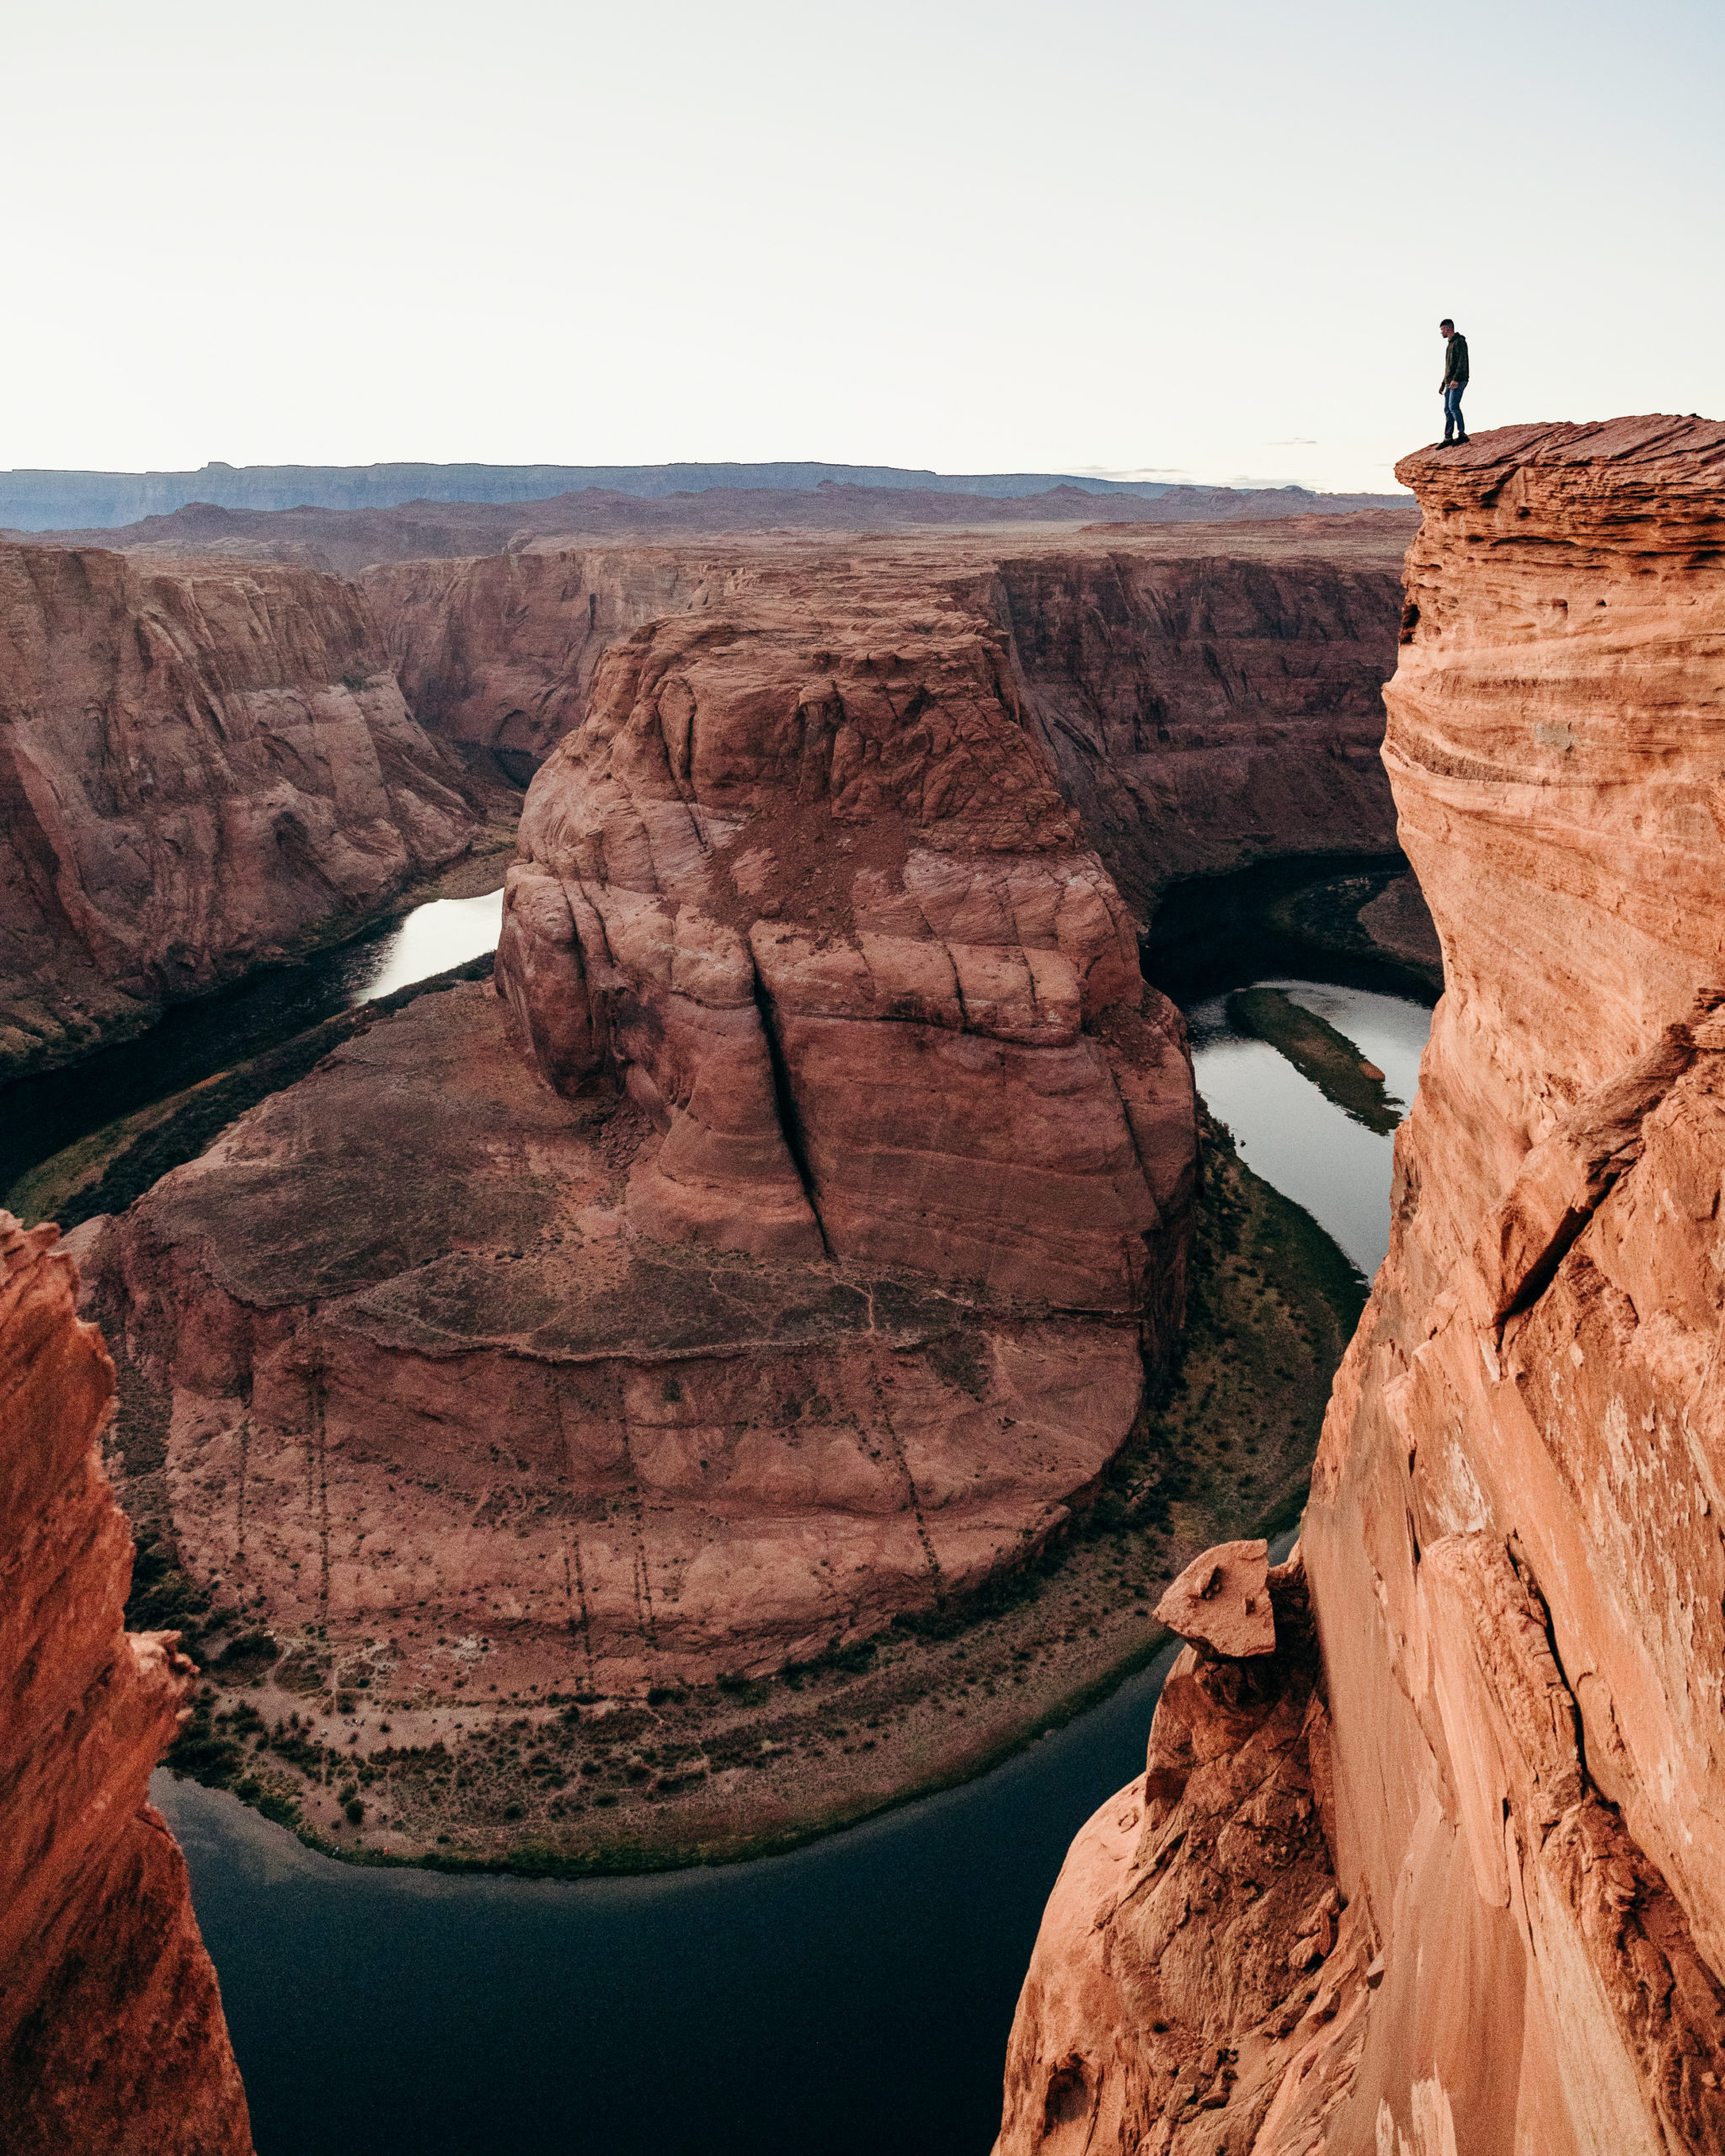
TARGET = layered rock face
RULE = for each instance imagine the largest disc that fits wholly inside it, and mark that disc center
(1197, 1983)
(499, 652)
(1209, 699)
(1210, 711)
(798, 1265)
(201, 769)
(1514, 1537)
(111, 2034)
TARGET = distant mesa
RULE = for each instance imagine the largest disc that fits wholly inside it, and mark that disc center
(33, 501)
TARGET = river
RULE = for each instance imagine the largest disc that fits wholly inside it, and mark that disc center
(195, 1039)
(854, 1996)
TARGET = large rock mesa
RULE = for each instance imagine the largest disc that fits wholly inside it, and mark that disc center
(794, 1263)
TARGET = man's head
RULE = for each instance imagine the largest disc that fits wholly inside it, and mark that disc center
(1447, 327)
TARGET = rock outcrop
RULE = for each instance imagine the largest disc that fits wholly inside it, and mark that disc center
(1217, 707)
(111, 2034)
(1197, 1983)
(1210, 697)
(798, 1266)
(1514, 1537)
(201, 769)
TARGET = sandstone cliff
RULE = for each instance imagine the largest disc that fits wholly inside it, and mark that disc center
(201, 769)
(1210, 697)
(111, 2034)
(1214, 708)
(801, 1265)
(499, 651)
(1510, 1936)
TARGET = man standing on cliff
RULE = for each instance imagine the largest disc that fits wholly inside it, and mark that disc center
(1454, 382)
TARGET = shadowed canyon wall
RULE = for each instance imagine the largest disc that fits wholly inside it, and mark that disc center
(201, 769)
(1509, 1934)
(499, 652)
(111, 2034)
(206, 766)
(1212, 711)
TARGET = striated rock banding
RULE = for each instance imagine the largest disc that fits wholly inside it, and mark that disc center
(1515, 1536)
(1214, 708)
(201, 769)
(499, 653)
(800, 1262)
(111, 2033)
(1209, 696)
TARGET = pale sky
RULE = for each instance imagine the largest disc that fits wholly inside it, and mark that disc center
(1207, 241)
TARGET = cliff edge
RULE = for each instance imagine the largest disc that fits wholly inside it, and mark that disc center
(1510, 1935)
(111, 2034)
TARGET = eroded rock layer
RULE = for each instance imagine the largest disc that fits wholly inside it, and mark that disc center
(799, 1261)
(1515, 1536)
(1213, 709)
(1210, 697)
(111, 2034)
(499, 652)
(201, 768)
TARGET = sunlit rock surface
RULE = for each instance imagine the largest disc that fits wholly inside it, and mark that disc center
(784, 1246)
(1509, 1935)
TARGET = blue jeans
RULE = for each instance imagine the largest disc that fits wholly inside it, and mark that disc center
(1454, 423)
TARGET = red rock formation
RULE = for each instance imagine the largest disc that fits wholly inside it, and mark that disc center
(1215, 707)
(1221, 1603)
(499, 652)
(832, 1306)
(1514, 1537)
(200, 769)
(111, 2034)
(1210, 697)
(1197, 1983)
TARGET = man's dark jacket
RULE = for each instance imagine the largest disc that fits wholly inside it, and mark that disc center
(1456, 364)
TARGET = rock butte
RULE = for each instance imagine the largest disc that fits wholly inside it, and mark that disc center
(797, 1256)
(119, 2046)
(200, 769)
(1456, 1881)
(794, 1258)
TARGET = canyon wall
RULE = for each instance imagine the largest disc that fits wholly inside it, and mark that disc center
(111, 2034)
(786, 1241)
(1509, 1934)
(499, 651)
(1209, 699)
(201, 769)
(1211, 710)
